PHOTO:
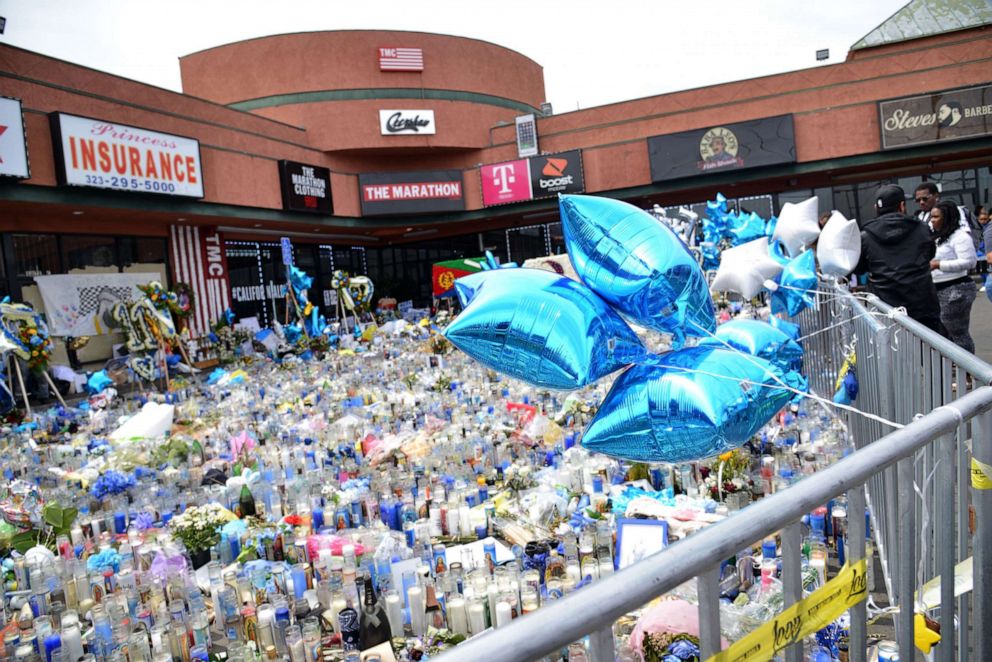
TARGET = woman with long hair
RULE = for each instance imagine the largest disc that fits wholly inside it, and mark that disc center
(955, 256)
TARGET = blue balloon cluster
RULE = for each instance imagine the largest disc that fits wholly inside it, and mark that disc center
(557, 333)
(637, 265)
(693, 403)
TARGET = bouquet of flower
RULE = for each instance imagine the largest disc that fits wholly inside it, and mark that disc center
(198, 527)
(110, 483)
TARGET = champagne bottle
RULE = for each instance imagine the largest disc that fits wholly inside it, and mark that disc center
(375, 624)
(350, 625)
(246, 503)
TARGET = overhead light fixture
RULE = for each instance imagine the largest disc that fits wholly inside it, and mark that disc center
(420, 233)
(409, 229)
(284, 233)
(180, 219)
(78, 213)
(258, 225)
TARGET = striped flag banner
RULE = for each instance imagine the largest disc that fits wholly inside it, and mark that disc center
(401, 59)
(198, 260)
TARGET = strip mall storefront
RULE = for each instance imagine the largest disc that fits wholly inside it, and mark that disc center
(384, 171)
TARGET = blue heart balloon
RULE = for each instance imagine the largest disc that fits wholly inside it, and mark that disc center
(541, 328)
(693, 403)
(759, 339)
(637, 265)
(795, 284)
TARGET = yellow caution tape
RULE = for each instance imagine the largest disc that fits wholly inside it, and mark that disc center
(981, 475)
(812, 613)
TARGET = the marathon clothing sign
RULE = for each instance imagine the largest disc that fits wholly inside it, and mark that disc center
(424, 192)
(937, 117)
(13, 140)
(102, 154)
(735, 146)
(529, 179)
(305, 187)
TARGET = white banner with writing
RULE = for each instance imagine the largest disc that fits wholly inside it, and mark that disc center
(80, 304)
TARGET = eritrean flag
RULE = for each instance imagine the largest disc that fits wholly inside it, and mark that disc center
(445, 273)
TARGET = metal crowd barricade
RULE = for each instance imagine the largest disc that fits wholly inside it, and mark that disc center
(914, 478)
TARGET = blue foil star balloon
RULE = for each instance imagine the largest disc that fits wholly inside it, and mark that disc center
(795, 283)
(539, 327)
(748, 227)
(759, 339)
(790, 329)
(637, 265)
(694, 403)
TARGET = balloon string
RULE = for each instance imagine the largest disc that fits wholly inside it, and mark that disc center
(781, 386)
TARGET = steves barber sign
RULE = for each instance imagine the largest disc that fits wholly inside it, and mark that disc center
(102, 154)
(938, 117)
(305, 187)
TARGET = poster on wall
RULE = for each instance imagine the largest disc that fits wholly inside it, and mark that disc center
(101, 154)
(13, 140)
(305, 187)
(80, 304)
(737, 146)
(938, 117)
(387, 193)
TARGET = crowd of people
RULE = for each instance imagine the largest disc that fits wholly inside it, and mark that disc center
(924, 263)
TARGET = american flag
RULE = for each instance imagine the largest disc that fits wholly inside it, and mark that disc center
(196, 253)
(401, 59)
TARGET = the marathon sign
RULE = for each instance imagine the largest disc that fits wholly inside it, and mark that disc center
(737, 146)
(937, 117)
(305, 187)
(424, 192)
(530, 179)
(13, 140)
(102, 154)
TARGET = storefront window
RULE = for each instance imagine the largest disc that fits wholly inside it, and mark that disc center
(36, 254)
(81, 251)
(142, 250)
(525, 243)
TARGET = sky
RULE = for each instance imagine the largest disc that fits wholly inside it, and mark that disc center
(593, 52)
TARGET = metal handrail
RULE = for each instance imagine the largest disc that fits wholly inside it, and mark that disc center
(597, 606)
(971, 363)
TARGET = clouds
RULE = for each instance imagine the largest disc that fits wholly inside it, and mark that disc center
(593, 52)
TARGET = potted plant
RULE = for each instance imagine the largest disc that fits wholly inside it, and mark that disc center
(198, 528)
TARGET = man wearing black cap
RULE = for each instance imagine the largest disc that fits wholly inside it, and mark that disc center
(896, 251)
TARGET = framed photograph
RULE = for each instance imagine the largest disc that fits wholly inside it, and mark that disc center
(637, 539)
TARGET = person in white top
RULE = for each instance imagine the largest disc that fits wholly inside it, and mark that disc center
(955, 257)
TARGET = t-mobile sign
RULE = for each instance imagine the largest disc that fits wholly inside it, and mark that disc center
(503, 183)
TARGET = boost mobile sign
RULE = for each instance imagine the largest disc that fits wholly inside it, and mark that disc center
(938, 117)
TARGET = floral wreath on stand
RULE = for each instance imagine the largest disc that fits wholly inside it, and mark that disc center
(185, 299)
